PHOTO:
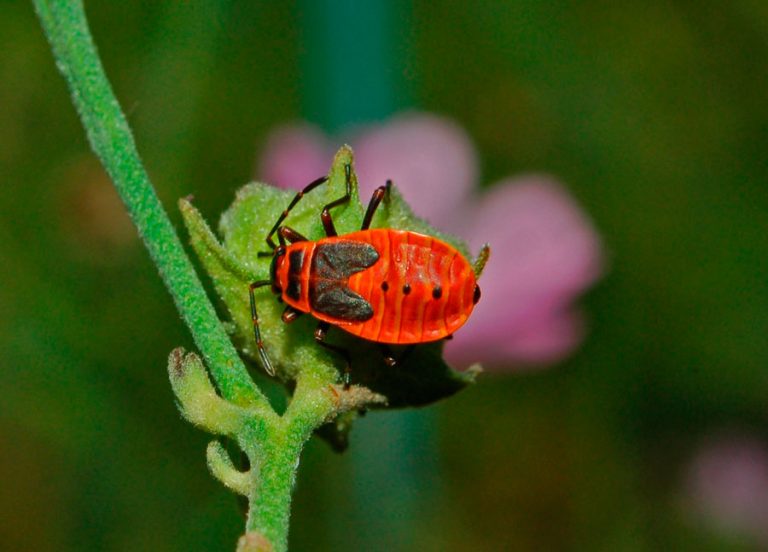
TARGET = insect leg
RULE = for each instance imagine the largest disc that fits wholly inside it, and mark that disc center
(320, 333)
(290, 314)
(378, 195)
(257, 334)
(291, 235)
(389, 355)
(284, 233)
(308, 188)
(325, 216)
(280, 239)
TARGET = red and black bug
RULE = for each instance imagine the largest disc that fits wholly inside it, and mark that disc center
(392, 287)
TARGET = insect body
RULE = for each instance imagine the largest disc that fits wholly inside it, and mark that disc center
(383, 285)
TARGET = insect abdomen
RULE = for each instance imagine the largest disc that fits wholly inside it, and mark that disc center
(421, 289)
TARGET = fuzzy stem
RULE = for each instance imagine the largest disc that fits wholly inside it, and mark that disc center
(110, 137)
(278, 459)
(270, 502)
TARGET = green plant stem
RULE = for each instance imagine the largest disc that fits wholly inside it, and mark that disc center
(278, 459)
(110, 137)
(270, 502)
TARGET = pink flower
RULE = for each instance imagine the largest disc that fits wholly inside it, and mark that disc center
(544, 250)
(727, 484)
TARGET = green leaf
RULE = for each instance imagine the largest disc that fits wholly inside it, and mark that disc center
(421, 378)
(198, 401)
(222, 468)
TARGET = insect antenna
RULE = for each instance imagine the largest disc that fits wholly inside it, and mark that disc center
(308, 188)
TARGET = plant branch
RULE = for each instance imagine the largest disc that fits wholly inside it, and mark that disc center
(65, 25)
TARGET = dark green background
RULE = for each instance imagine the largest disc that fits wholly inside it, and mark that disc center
(654, 113)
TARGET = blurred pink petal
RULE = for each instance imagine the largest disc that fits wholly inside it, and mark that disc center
(429, 158)
(537, 343)
(544, 253)
(727, 484)
(294, 156)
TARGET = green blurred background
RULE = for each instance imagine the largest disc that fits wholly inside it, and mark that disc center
(654, 113)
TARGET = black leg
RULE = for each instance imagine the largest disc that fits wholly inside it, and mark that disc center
(257, 334)
(378, 195)
(325, 216)
(291, 235)
(389, 355)
(284, 233)
(308, 188)
(320, 333)
(290, 314)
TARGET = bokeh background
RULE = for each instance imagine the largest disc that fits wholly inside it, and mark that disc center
(652, 435)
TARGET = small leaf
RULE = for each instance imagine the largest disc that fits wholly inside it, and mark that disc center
(356, 397)
(198, 400)
(482, 258)
(423, 377)
(222, 469)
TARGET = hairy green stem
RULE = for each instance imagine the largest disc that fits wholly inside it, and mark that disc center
(277, 459)
(110, 137)
(270, 501)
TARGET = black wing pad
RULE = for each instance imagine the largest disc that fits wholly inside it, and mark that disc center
(332, 265)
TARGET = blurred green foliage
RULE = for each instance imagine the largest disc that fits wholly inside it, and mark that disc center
(654, 113)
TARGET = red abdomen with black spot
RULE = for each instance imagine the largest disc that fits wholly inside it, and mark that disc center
(383, 285)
